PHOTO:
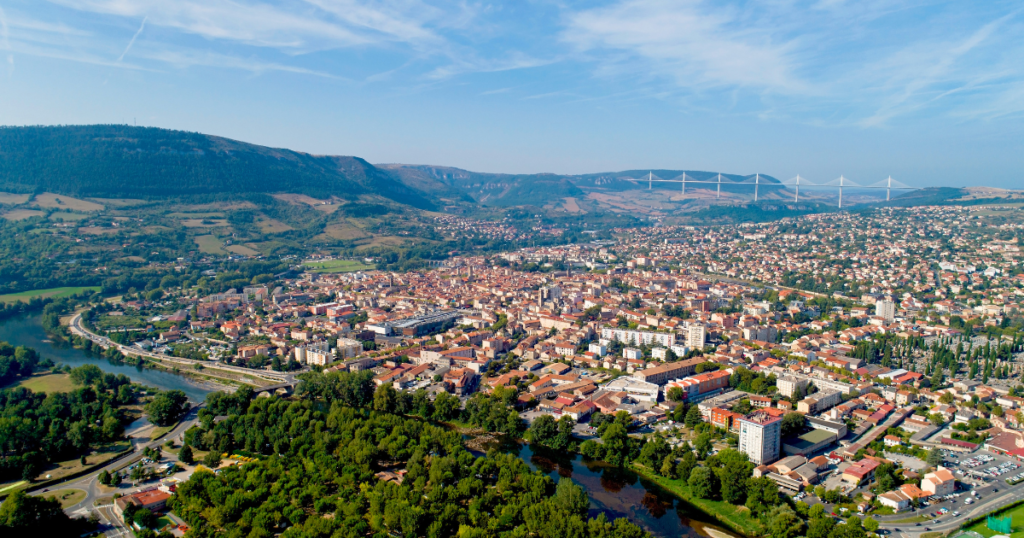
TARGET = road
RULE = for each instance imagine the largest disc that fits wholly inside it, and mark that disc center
(109, 524)
(79, 329)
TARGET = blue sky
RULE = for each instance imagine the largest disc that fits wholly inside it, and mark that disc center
(931, 92)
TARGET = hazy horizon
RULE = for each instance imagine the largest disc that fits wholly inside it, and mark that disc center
(930, 93)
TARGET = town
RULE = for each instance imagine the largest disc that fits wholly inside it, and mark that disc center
(872, 368)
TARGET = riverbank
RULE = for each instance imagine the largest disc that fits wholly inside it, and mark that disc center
(27, 330)
(735, 518)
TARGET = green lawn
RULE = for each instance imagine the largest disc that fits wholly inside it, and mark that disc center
(737, 518)
(1016, 514)
(337, 266)
(47, 383)
(67, 497)
(26, 296)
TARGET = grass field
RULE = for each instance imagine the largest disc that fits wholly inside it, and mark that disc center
(1016, 521)
(102, 454)
(210, 244)
(337, 266)
(26, 296)
(13, 199)
(243, 250)
(47, 383)
(11, 487)
(21, 214)
(48, 199)
(67, 497)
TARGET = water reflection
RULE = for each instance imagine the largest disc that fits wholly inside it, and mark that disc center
(28, 331)
(618, 492)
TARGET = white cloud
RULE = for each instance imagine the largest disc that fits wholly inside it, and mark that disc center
(689, 41)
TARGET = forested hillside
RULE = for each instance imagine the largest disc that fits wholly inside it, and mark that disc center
(539, 189)
(120, 161)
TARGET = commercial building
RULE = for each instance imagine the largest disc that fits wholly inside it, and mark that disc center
(635, 388)
(834, 427)
(701, 386)
(154, 500)
(760, 435)
(418, 325)
(939, 482)
(666, 372)
(860, 471)
(808, 443)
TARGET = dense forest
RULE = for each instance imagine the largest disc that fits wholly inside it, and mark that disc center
(38, 429)
(316, 475)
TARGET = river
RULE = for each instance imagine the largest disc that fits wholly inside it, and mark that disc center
(28, 331)
(614, 491)
(620, 492)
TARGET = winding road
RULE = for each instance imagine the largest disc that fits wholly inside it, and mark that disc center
(78, 328)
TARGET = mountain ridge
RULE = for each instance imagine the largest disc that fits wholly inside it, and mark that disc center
(124, 161)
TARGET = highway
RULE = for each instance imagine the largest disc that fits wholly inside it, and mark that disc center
(79, 329)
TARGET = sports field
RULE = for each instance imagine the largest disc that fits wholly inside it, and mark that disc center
(337, 266)
(1016, 521)
(56, 293)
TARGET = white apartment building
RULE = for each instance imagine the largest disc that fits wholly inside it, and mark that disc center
(886, 309)
(348, 348)
(760, 437)
(696, 335)
(789, 385)
(302, 352)
(638, 337)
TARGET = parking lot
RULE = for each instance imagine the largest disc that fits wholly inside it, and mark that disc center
(983, 469)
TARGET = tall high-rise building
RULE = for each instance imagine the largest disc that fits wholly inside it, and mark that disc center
(761, 437)
(695, 335)
(886, 309)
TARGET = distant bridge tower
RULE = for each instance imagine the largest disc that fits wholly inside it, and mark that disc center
(650, 180)
(888, 187)
(797, 197)
(719, 193)
(683, 183)
(757, 180)
(841, 181)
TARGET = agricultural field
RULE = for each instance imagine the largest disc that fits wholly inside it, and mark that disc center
(337, 266)
(22, 214)
(48, 200)
(210, 244)
(242, 249)
(56, 293)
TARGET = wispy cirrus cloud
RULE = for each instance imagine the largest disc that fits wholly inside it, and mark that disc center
(694, 43)
(821, 62)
